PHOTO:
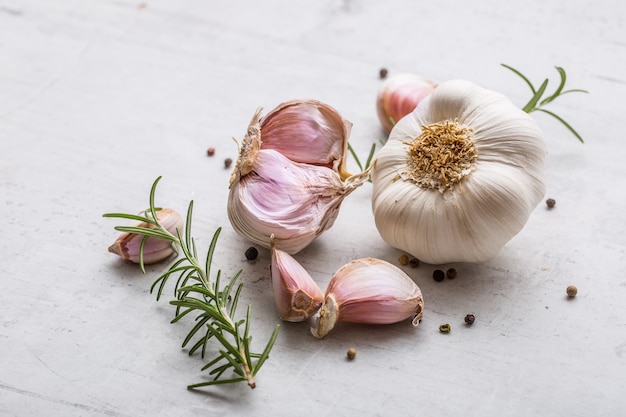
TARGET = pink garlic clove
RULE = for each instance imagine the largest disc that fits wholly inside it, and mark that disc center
(127, 245)
(307, 131)
(369, 291)
(399, 96)
(296, 294)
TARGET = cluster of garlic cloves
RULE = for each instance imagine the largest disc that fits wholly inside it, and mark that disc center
(296, 294)
(459, 176)
(369, 291)
(399, 95)
(290, 178)
(128, 245)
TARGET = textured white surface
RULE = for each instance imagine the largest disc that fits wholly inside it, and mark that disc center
(98, 98)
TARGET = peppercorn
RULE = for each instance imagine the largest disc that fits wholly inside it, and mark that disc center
(383, 73)
(227, 162)
(550, 202)
(445, 328)
(438, 275)
(351, 353)
(451, 273)
(210, 151)
(571, 291)
(403, 260)
(251, 253)
(414, 263)
(469, 319)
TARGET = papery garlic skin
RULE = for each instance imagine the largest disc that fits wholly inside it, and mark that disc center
(127, 245)
(295, 201)
(399, 95)
(369, 291)
(296, 294)
(471, 216)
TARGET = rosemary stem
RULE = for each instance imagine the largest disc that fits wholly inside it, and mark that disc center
(246, 368)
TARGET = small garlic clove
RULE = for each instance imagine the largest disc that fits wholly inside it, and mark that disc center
(307, 131)
(128, 245)
(369, 291)
(295, 202)
(399, 95)
(296, 294)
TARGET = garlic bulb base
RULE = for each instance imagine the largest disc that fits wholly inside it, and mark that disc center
(327, 318)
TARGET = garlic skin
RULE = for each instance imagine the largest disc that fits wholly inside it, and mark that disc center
(291, 185)
(369, 291)
(296, 294)
(399, 95)
(127, 245)
(459, 176)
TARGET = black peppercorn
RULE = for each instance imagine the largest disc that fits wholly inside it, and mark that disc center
(469, 319)
(251, 253)
(438, 275)
(451, 273)
(227, 162)
(210, 151)
(383, 73)
(414, 263)
(550, 202)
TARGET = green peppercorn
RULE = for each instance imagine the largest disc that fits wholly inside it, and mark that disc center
(571, 291)
(351, 354)
(445, 328)
(403, 259)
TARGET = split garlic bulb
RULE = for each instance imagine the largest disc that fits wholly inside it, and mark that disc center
(399, 95)
(459, 176)
(290, 177)
(369, 291)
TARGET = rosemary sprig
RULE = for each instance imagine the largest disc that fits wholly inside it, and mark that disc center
(537, 101)
(215, 307)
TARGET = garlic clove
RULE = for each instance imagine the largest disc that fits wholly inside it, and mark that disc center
(128, 245)
(307, 131)
(370, 291)
(296, 202)
(296, 294)
(399, 95)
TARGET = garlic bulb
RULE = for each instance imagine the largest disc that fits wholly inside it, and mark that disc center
(128, 245)
(399, 95)
(459, 176)
(290, 178)
(369, 291)
(296, 294)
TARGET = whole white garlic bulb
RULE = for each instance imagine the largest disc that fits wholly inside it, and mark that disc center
(369, 291)
(459, 176)
(290, 177)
